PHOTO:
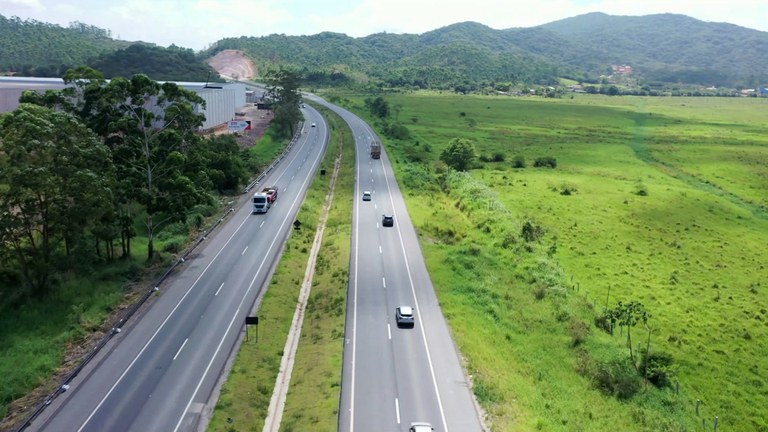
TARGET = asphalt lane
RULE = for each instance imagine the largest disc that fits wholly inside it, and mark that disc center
(393, 376)
(158, 373)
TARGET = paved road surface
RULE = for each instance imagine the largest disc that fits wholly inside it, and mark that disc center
(393, 376)
(158, 373)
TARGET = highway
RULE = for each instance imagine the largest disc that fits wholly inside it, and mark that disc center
(394, 376)
(158, 374)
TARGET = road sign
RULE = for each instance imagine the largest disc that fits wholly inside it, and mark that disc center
(239, 125)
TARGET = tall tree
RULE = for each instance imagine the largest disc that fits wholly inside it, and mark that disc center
(150, 139)
(283, 88)
(56, 176)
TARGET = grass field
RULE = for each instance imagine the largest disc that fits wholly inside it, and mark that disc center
(656, 200)
(313, 397)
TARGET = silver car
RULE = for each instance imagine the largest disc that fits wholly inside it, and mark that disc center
(404, 316)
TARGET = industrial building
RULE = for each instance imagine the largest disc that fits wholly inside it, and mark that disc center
(222, 100)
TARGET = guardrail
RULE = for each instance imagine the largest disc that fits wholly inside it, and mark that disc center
(274, 163)
(117, 327)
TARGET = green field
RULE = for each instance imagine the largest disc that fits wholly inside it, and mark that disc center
(658, 200)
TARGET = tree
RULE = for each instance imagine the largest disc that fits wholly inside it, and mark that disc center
(150, 134)
(283, 89)
(378, 107)
(57, 176)
(459, 154)
(628, 315)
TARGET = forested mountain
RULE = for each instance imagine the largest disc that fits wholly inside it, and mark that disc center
(32, 48)
(162, 64)
(660, 48)
(446, 58)
(670, 47)
(666, 48)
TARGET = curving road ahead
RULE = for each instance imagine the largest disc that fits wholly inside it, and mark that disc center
(159, 372)
(394, 376)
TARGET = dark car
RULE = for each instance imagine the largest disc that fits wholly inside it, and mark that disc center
(387, 220)
(404, 316)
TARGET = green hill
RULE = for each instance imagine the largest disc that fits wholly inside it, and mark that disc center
(669, 48)
(666, 48)
(32, 48)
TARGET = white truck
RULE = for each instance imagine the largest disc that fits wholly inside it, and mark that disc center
(261, 202)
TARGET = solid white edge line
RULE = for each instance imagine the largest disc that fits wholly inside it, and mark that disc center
(180, 348)
(120, 378)
(354, 308)
(416, 303)
(274, 240)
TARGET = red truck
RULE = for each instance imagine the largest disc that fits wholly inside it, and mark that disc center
(271, 193)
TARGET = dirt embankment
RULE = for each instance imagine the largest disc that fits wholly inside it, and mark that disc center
(233, 64)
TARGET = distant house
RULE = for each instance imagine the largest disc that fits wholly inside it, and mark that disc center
(763, 91)
(622, 69)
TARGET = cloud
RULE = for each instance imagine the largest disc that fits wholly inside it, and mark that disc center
(20, 8)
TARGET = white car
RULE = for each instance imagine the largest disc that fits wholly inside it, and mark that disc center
(313, 125)
(420, 427)
(366, 196)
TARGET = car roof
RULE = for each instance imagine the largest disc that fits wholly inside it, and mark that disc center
(367, 192)
(406, 310)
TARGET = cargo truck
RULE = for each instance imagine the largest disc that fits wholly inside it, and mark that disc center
(260, 202)
(376, 150)
(271, 193)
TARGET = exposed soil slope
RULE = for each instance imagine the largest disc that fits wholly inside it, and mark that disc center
(233, 64)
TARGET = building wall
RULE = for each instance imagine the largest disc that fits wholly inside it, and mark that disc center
(220, 106)
(222, 100)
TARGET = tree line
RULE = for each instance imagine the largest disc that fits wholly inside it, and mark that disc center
(81, 167)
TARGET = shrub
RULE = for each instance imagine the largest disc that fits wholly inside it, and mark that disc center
(617, 377)
(579, 331)
(545, 162)
(641, 189)
(499, 157)
(518, 162)
(531, 231)
(658, 368)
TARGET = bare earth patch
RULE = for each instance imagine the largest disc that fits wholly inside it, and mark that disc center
(233, 64)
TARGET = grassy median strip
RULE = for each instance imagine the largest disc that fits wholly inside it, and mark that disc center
(313, 397)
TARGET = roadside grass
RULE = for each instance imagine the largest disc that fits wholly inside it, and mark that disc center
(313, 397)
(45, 337)
(36, 335)
(640, 206)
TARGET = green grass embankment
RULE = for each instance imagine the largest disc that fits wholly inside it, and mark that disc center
(618, 222)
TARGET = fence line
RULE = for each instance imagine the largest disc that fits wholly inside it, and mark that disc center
(575, 286)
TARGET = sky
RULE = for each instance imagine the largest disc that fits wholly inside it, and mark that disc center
(197, 24)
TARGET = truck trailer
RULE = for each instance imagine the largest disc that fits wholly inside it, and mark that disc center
(376, 150)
